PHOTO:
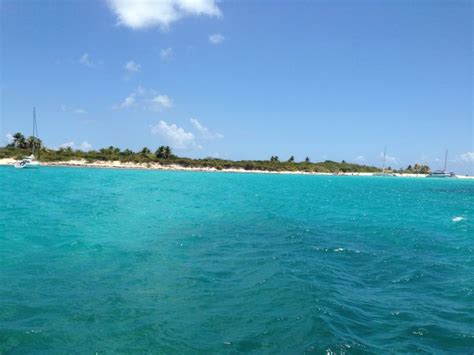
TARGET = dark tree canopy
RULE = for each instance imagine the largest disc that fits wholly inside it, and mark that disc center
(21, 146)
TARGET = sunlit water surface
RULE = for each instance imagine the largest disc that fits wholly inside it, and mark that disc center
(169, 262)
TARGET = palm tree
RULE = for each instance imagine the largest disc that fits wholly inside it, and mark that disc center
(33, 142)
(164, 152)
(425, 169)
(307, 160)
(160, 152)
(145, 151)
(291, 160)
(19, 141)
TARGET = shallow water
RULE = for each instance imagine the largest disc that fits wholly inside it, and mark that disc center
(97, 260)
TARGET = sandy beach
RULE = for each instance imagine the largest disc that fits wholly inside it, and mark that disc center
(174, 167)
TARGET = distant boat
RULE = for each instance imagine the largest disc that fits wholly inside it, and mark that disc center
(30, 162)
(383, 164)
(443, 173)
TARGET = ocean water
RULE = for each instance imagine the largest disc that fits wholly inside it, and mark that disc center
(106, 261)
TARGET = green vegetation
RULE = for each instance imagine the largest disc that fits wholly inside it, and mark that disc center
(20, 142)
(22, 146)
(417, 169)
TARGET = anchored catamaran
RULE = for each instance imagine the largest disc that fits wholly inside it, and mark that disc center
(30, 162)
(443, 173)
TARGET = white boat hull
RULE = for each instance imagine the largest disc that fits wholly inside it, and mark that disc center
(441, 175)
(27, 164)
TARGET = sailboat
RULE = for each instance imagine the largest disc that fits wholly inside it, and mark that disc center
(30, 162)
(442, 173)
(383, 164)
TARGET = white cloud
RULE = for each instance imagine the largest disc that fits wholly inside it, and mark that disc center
(129, 101)
(77, 111)
(467, 157)
(131, 66)
(204, 131)
(140, 14)
(161, 102)
(147, 99)
(166, 53)
(216, 38)
(176, 136)
(9, 137)
(389, 159)
(86, 61)
(360, 158)
(67, 145)
(85, 146)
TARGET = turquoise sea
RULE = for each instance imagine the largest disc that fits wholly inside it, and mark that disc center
(129, 261)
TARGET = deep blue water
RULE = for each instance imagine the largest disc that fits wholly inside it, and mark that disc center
(96, 260)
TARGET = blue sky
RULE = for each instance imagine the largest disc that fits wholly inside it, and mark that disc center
(244, 80)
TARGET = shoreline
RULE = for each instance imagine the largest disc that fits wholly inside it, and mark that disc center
(174, 167)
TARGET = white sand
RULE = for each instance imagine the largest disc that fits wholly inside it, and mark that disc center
(156, 166)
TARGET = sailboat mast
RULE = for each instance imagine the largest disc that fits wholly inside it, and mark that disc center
(34, 124)
(383, 164)
(445, 160)
(35, 131)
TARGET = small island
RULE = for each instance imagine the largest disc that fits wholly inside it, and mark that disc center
(164, 158)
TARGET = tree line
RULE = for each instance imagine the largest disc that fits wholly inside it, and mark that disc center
(21, 146)
(21, 142)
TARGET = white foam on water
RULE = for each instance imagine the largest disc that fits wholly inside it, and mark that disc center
(457, 219)
(34, 331)
(338, 249)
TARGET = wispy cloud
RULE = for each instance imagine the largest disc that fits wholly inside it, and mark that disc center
(161, 102)
(147, 99)
(389, 159)
(77, 111)
(166, 53)
(140, 14)
(67, 145)
(86, 61)
(360, 158)
(216, 38)
(129, 101)
(467, 157)
(132, 66)
(175, 136)
(204, 132)
(85, 146)
(9, 137)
